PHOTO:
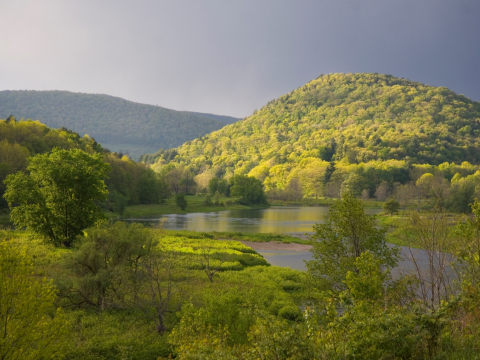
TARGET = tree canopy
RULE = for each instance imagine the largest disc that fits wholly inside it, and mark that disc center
(57, 198)
(345, 234)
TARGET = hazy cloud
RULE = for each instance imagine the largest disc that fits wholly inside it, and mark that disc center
(230, 57)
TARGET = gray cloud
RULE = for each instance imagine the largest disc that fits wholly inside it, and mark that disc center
(230, 57)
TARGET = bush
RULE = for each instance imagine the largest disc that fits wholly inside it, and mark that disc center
(208, 200)
(391, 206)
(181, 201)
(290, 312)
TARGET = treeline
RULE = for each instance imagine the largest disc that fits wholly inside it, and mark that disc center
(412, 186)
(128, 182)
(119, 124)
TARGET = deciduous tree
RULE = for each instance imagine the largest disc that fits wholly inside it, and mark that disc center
(57, 199)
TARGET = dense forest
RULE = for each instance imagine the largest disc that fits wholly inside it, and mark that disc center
(128, 182)
(343, 131)
(118, 124)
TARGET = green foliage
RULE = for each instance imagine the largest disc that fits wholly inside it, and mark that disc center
(135, 182)
(374, 126)
(215, 184)
(391, 207)
(120, 334)
(101, 263)
(31, 326)
(236, 235)
(129, 181)
(467, 246)
(121, 124)
(345, 234)
(208, 200)
(57, 198)
(181, 201)
(463, 193)
(249, 189)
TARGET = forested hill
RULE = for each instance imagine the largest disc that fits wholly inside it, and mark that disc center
(346, 118)
(118, 124)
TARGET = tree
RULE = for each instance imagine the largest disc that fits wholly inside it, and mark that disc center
(248, 188)
(181, 201)
(467, 246)
(462, 194)
(161, 277)
(213, 185)
(391, 206)
(346, 233)
(216, 184)
(57, 198)
(210, 261)
(29, 329)
(208, 200)
(105, 258)
(430, 232)
(382, 191)
(173, 178)
(328, 173)
(117, 201)
(187, 180)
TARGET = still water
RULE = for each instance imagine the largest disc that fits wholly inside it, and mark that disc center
(292, 259)
(296, 221)
(276, 219)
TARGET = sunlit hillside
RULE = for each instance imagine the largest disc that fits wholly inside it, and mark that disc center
(346, 118)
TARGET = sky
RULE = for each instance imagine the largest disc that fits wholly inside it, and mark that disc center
(231, 57)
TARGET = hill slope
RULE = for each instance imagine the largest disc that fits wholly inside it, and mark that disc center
(117, 124)
(346, 118)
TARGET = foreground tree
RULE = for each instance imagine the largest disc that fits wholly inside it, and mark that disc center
(346, 233)
(104, 260)
(432, 233)
(57, 198)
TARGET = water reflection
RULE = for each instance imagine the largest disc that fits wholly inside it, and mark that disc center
(281, 219)
(292, 259)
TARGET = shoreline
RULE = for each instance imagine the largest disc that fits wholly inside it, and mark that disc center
(273, 245)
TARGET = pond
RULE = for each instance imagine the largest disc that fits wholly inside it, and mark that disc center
(276, 219)
(296, 221)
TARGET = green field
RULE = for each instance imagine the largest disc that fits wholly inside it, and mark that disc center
(239, 236)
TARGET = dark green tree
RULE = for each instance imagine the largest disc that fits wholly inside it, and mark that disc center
(328, 173)
(57, 199)
(248, 188)
(181, 201)
(391, 207)
(213, 185)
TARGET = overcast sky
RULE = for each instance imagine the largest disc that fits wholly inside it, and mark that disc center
(232, 56)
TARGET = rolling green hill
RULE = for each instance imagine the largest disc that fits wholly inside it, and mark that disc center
(118, 124)
(351, 120)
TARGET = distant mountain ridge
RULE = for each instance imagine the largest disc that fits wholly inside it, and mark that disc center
(118, 124)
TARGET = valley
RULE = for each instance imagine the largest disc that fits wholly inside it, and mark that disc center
(272, 237)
